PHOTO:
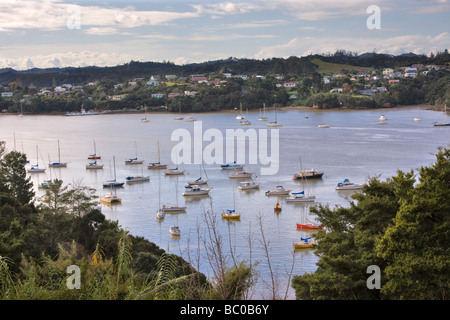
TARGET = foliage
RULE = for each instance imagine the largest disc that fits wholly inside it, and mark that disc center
(399, 225)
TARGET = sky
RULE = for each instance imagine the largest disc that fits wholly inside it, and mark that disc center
(56, 33)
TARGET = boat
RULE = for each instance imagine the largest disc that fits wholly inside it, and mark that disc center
(134, 179)
(190, 119)
(304, 243)
(277, 207)
(173, 208)
(245, 123)
(230, 215)
(248, 185)
(110, 198)
(274, 123)
(232, 166)
(45, 184)
(157, 165)
(174, 231)
(279, 191)
(347, 185)
(35, 167)
(94, 165)
(240, 116)
(323, 125)
(145, 119)
(173, 172)
(382, 118)
(199, 181)
(94, 156)
(300, 197)
(58, 164)
(442, 123)
(417, 119)
(240, 173)
(179, 117)
(160, 214)
(308, 174)
(262, 117)
(195, 190)
(134, 160)
(82, 113)
(308, 225)
(113, 183)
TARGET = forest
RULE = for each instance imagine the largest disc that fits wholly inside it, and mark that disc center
(254, 83)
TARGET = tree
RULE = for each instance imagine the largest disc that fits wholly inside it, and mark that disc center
(14, 175)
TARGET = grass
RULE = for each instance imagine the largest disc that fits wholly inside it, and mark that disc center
(329, 68)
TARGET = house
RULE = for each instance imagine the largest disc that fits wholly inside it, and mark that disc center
(336, 90)
(289, 84)
(367, 92)
(116, 97)
(326, 80)
(174, 94)
(199, 79)
(157, 95)
(7, 94)
(227, 75)
(170, 76)
(382, 89)
(388, 71)
(410, 74)
(117, 86)
(152, 83)
(293, 97)
(190, 93)
(394, 81)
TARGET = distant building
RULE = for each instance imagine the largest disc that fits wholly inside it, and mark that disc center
(289, 84)
(7, 94)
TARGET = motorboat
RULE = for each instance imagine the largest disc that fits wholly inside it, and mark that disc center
(190, 119)
(174, 231)
(240, 173)
(300, 197)
(245, 123)
(382, 118)
(248, 185)
(195, 190)
(308, 174)
(323, 125)
(134, 179)
(232, 166)
(82, 113)
(279, 191)
(347, 185)
(231, 215)
(304, 243)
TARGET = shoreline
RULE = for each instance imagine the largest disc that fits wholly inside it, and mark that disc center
(286, 108)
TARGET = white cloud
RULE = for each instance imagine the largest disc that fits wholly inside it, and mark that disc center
(67, 59)
(419, 44)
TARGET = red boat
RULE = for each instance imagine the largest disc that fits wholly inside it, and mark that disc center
(308, 226)
(93, 156)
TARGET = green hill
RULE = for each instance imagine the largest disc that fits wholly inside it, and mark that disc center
(330, 68)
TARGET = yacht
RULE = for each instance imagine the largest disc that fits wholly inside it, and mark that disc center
(300, 197)
(230, 215)
(279, 191)
(173, 208)
(110, 198)
(308, 174)
(174, 231)
(248, 185)
(94, 165)
(241, 173)
(173, 172)
(347, 185)
(232, 166)
(382, 118)
(195, 191)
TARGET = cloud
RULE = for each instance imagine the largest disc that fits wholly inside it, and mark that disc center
(419, 44)
(67, 59)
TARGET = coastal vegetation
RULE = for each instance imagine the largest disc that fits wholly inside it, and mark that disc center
(339, 80)
(401, 225)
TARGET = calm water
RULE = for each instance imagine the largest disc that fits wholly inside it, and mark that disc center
(355, 147)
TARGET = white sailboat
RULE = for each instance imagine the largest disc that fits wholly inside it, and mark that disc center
(279, 191)
(275, 123)
(300, 196)
(174, 171)
(179, 117)
(263, 116)
(196, 190)
(157, 165)
(160, 214)
(240, 116)
(231, 214)
(174, 208)
(444, 123)
(200, 180)
(94, 165)
(35, 168)
(113, 183)
(58, 164)
(94, 156)
(145, 119)
(137, 179)
(134, 160)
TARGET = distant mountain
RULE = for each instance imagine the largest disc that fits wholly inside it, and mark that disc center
(296, 67)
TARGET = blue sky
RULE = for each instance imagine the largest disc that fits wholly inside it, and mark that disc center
(56, 33)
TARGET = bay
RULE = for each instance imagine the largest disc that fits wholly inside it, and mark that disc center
(356, 146)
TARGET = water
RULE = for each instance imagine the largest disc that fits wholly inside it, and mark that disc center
(356, 146)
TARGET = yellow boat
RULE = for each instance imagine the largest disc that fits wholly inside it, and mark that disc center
(304, 243)
(231, 215)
